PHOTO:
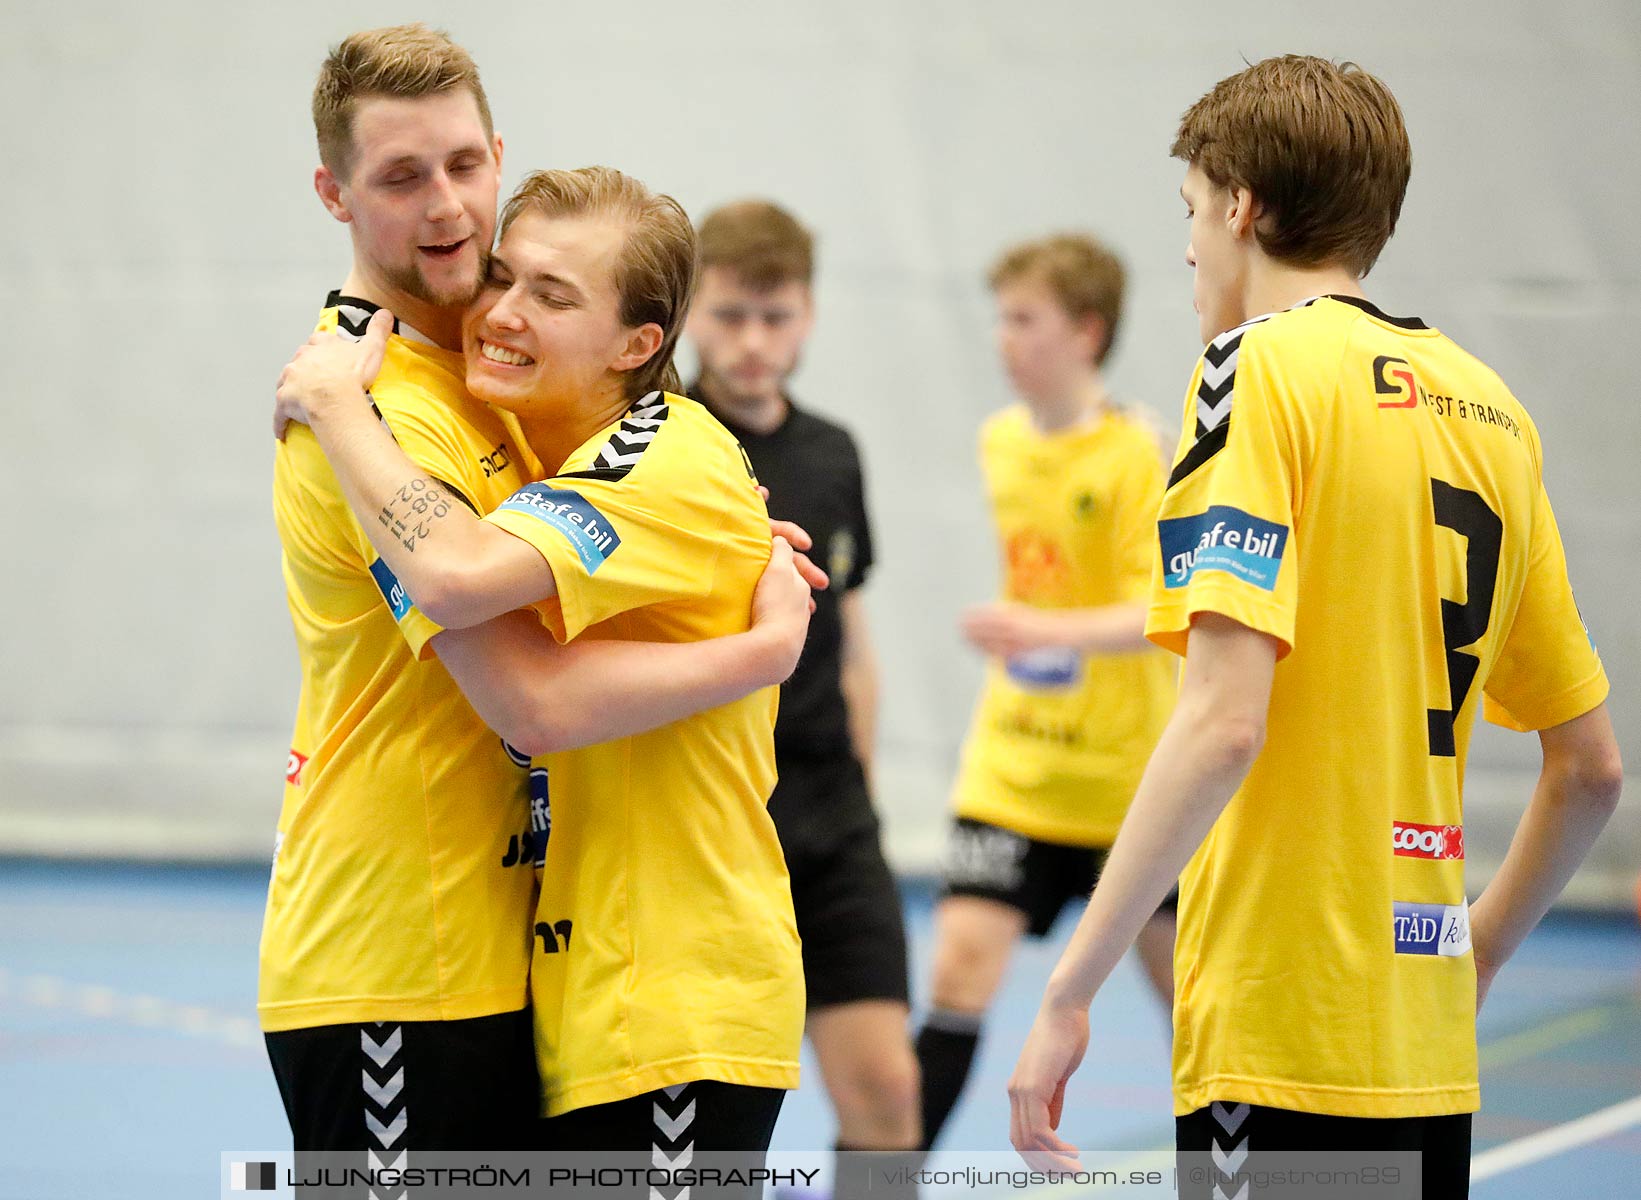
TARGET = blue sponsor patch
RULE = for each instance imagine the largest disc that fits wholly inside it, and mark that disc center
(1437, 929)
(1222, 539)
(541, 814)
(587, 529)
(398, 600)
(1051, 667)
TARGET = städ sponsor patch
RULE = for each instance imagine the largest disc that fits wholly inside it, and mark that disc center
(1434, 929)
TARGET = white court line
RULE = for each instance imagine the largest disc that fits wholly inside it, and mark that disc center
(1537, 1146)
(1509, 1157)
(104, 1003)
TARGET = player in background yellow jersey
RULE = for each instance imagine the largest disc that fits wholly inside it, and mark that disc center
(1074, 697)
(667, 982)
(396, 947)
(1355, 554)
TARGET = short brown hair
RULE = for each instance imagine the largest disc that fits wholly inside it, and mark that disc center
(408, 61)
(1086, 278)
(655, 273)
(760, 242)
(1320, 144)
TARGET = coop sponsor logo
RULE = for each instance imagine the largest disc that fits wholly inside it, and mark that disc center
(1411, 840)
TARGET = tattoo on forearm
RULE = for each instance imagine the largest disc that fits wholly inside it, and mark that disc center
(411, 514)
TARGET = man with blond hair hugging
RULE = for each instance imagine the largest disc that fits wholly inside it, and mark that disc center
(666, 979)
(397, 942)
(1355, 555)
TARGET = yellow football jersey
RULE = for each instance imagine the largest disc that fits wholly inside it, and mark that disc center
(1060, 739)
(399, 889)
(1368, 494)
(666, 950)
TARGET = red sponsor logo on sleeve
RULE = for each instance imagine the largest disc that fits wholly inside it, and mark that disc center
(294, 762)
(1411, 840)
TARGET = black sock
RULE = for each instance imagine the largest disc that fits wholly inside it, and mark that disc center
(945, 1052)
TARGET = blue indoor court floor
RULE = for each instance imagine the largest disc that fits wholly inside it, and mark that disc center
(130, 1058)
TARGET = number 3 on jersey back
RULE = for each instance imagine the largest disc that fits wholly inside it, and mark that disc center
(1468, 515)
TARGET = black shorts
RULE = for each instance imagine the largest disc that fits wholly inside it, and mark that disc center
(704, 1124)
(422, 1085)
(1039, 878)
(843, 893)
(1444, 1143)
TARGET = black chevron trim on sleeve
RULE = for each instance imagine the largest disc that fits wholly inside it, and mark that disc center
(621, 443)
(1218, 351)
(1217, 386)
(352, 323)
(1213, 395)
(619, 455)
(353, 314)
(1206, 446)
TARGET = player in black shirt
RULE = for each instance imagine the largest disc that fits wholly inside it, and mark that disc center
(753, 310)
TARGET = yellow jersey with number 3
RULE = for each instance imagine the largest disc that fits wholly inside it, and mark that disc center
(666, 949)
(1370, 496)
(1060, 738)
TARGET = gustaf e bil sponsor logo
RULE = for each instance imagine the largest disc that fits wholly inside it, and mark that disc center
(398, 600)
(586, 529)
(1222, 539)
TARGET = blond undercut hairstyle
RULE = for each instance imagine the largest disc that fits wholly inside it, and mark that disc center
(655, 270)
(760, 243)
(1086, 278)
(404, 61)
(1320, 144)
